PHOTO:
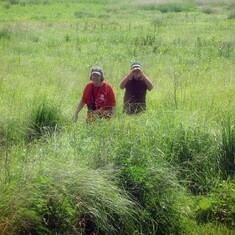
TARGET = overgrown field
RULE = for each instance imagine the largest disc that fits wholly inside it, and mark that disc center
(169, 170)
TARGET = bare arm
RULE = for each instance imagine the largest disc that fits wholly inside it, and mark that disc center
(79, 108)
(124, 81)
(113, 111)
(148, 83)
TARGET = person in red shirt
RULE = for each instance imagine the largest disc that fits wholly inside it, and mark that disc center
(99, 97)
(136, 85)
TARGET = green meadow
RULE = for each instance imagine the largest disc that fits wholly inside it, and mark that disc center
(168, 171)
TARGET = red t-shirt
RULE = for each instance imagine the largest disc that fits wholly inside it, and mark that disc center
(104, 96)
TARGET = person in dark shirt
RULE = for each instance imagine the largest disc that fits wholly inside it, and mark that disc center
(136, 85)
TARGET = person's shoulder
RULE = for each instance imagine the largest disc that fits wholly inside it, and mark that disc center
(107, 84)
(89, 84)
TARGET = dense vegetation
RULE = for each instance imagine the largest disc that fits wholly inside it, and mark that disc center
(169, 170)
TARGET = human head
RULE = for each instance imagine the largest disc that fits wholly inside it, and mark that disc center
(97, 70)
(136, 70)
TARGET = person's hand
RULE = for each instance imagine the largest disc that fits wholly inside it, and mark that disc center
(133, 73)
(137, 73)
(108, 115)
(75, 117)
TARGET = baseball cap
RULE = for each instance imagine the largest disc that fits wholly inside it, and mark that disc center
(96, 70)
(136, 64)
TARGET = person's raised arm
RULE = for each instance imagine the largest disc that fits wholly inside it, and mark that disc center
(124, 81)
(148, 82)
(79, 108)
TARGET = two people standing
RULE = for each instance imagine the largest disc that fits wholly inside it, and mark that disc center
(99, 96)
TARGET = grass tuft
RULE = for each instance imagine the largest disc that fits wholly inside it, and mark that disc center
(45, 118)
(5, 34)
(227, 149)
(219, 206)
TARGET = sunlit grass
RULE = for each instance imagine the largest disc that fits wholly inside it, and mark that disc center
(146, 174)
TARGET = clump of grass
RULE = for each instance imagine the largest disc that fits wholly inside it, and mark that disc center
(227, 149)
(218, 206)
(5, 34)
(167, 6)
(210, 228)
(45, 117)
(83, 14)
(208, 10)
(11, 2)
(231, 15)
(65, 198)
(6, 5)
(155, 159)
(12, 132)
(174, 7)
(143, 172)
(150, 43)
(191, 150)
(24, 2)
(212, 47)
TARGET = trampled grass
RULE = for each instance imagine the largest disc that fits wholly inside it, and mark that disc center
(169, 170)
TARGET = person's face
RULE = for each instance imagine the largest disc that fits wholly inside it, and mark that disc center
(96, 79)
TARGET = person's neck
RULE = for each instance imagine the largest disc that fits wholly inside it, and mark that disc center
(98, 85)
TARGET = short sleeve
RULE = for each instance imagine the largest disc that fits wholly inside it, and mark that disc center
(86, 97)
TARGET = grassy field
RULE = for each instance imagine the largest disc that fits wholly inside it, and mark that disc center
(167, 171)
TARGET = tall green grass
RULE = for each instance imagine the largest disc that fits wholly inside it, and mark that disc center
(169, 170)
(45, 117)
(86, 165)
(227, 148)
(45, 198)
